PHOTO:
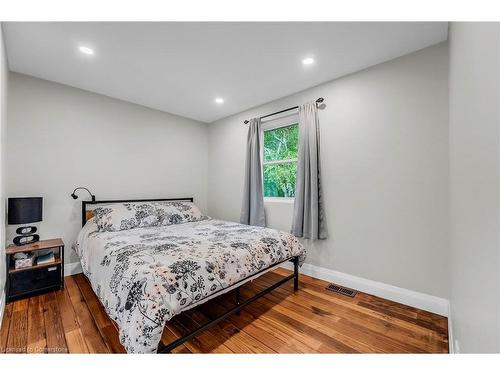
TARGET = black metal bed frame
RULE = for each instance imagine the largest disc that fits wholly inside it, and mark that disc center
(162, 349)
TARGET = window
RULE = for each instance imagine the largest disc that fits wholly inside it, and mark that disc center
(280, 161)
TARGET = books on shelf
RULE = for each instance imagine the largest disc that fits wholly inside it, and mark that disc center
(46, 258)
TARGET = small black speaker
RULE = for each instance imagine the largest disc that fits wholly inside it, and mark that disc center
(26, 238)
(26, 230)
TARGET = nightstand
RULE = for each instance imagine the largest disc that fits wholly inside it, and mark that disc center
(36, 279)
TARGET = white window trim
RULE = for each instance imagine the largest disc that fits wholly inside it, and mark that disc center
(281, 122)
(279, 200)
(282, 161)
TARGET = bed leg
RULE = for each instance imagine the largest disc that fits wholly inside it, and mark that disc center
(161, 348)
(296, 273)
(238, 301)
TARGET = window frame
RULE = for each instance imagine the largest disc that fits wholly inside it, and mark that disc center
(281, 122)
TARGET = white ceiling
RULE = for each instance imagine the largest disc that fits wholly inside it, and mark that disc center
(181, 67)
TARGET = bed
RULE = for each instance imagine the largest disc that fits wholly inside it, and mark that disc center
(162, 257)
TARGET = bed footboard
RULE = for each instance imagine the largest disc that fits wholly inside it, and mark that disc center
(235, 310)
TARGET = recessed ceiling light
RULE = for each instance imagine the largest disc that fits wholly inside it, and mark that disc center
(308, 61)
(86, 50)
(219, 100)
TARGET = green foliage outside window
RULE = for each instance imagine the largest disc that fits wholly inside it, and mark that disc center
(280, 161)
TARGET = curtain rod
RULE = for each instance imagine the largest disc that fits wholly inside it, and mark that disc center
(318, 101)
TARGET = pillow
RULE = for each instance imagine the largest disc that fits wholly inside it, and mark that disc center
(123, 216)
(177, 212)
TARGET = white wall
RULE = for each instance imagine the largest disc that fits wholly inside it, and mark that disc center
(474, 166)
(61, 137)
(3, 125)
(384, 140)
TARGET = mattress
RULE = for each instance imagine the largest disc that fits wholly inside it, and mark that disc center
(145, 276)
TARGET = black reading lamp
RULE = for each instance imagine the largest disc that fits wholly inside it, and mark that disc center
(25, 211)
(74, 196)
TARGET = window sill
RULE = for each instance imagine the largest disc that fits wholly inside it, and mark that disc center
(279, 200)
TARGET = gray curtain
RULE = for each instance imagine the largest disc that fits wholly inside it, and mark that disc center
(308, 210)
(252, 210)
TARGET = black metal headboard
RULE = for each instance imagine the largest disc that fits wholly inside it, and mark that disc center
(89, 203)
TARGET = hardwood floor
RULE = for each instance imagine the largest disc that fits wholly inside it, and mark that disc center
(312, 320)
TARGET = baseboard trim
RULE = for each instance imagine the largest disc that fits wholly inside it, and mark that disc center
(408, 297)
(72, 268)
(2, 306)
(453, 343)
